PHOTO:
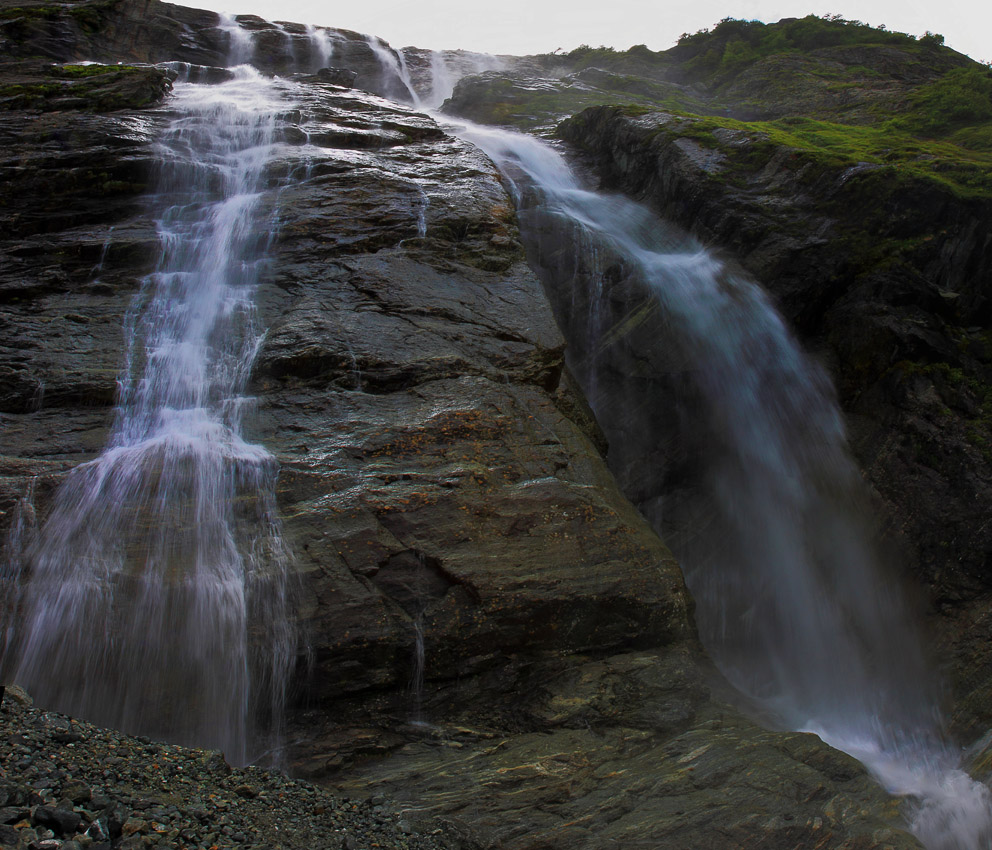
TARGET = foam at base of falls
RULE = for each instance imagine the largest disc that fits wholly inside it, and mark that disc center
(946, 808)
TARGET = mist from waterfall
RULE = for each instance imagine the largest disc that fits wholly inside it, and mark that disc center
(157, 600)
(791, 601)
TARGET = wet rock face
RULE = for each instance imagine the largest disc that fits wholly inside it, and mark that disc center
(899, 318)
(609, 757)
(440, 476)
(74, 177)
(150, 31)
(111, 31)
(409, 385)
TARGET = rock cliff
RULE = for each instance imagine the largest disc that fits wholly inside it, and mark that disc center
(885, 274)
(493, 634)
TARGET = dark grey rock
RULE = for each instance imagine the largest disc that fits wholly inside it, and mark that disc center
(337, 76)
(62, 822)
(78, 792)
(113, 818)
(13, 814)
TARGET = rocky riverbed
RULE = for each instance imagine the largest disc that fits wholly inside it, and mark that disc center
(69, 784)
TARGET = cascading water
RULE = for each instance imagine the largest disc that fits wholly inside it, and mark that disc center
(241, 45)
(157, 587)
(446, 68)
(321, 46)
(394, 70)
(790, 600)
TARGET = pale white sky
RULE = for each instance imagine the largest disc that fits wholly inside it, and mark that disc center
(539, 26)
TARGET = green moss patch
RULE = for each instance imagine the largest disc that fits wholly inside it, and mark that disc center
(78, 72)
(99, 88)
(827, 145)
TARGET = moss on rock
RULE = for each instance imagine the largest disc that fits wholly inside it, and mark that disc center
(90, 87)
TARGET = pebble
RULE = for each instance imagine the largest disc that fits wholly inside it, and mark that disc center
(163, 796)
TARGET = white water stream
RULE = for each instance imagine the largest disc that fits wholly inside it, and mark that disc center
(790, 600)
(157, 600)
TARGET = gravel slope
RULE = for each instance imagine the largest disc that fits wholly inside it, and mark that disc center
(68, 784)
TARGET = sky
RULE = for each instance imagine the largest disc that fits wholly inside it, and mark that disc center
(541, 26)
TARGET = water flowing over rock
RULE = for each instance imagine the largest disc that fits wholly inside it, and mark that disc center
(481, 624)
(790, 600)
(157, 597)
(898, 317)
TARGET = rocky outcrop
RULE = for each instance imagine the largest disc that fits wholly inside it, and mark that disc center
(592, 751)
(111, 31)
(884, 273)
(527, 99)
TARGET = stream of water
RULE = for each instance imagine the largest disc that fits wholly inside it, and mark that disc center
(791, 601)
(157, 600)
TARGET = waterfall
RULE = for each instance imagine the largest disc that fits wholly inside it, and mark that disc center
(12, 568)
(446, 68)
(240, 44)
(394, 70)
(321, 47)
(419, 670)
(156, 599)
(791, 602)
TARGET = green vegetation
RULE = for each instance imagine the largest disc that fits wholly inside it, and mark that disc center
(733, 45)
(957, 101)
(827, 145)
(829, 69)
(45, 12)
(833, 92)
(75, 72)
(93, 87)
(585, 56)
